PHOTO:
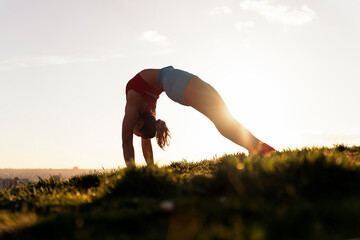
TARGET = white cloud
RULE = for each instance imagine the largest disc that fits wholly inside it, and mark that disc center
(222, 10)
(280, 13)
(154, 37)
(244, 25)
(37, 61)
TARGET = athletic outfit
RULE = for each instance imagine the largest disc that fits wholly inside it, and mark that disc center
(150, 93)
(173, 81)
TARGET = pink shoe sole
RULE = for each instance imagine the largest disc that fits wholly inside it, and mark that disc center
(261, 149)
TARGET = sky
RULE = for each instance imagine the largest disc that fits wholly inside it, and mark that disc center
(288, 70)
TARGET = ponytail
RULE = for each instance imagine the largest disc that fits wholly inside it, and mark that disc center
(162, 134)
(158, 128)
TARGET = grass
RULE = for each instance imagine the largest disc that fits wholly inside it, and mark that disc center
(312, 193)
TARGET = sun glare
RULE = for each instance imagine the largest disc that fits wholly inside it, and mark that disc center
(254, 105)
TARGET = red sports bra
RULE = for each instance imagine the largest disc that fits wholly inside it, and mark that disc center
(150, 93)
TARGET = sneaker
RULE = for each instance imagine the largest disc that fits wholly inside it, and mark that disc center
(261, 149)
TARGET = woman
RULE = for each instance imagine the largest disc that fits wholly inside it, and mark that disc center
(144, 89)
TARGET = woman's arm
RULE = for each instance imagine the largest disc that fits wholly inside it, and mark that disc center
(129, 121)
(147, 151)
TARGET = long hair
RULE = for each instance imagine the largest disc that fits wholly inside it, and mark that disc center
(153, 127)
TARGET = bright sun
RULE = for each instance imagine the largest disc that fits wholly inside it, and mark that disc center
(254, 105)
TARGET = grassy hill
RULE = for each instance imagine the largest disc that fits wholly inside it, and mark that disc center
(296, 194)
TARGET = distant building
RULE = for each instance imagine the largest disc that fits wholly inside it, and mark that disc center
(8, 183)
(15, 182)
(24, 181)
(5, 183)
(56, 177)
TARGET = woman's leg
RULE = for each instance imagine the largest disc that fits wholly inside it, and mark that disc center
(204, 98)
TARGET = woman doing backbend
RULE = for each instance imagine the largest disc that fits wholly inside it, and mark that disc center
(142, 92)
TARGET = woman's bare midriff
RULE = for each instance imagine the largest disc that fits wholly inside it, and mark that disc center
(151, 77)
